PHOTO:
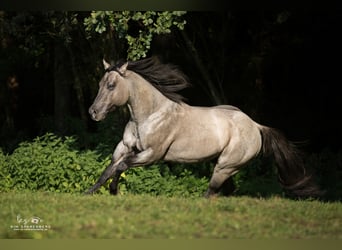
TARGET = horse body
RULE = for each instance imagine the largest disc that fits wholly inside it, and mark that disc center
(162, 127)
(208, 132)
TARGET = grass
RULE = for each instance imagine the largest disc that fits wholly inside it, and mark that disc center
(144, 216)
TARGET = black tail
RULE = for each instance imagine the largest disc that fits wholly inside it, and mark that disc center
(292, 174)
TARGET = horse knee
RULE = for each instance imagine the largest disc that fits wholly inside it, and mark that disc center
(121, 167)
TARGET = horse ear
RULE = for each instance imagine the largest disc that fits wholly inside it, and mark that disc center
(123, 68)
(105, 64)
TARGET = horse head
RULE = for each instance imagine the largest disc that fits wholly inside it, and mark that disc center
(113, 91)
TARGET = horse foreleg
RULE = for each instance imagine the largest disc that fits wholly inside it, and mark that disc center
(103, 178)
(113, 187)
(143, 158)
(120, 154)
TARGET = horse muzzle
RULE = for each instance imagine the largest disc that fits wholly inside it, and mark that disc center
(97, 115)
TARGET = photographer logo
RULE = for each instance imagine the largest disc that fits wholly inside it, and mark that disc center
(34, 223)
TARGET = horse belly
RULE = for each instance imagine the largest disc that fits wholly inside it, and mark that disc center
(195, 149)
(203, 134)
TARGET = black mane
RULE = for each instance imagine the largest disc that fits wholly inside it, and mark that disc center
(167, 78)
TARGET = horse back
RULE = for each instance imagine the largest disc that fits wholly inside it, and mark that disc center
(228, 107)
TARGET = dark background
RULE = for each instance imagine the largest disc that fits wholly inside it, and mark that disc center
(280, 67)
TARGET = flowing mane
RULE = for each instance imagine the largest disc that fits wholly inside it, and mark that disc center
(167, 78)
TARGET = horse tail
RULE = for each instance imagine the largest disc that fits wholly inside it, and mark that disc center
(292, 174)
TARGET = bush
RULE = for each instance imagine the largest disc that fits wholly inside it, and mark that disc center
(5, 176)
(52, 163)
(258, 178)
(158, 180)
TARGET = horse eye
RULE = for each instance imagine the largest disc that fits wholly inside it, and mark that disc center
(110, 86)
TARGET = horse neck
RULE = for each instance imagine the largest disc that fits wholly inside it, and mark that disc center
(144, 99)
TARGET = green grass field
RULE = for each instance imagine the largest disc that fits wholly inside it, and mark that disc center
(50, 215)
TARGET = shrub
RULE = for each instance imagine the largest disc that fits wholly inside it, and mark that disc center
(158, 180)
(52, 163)
(257, 178)
(5, 176)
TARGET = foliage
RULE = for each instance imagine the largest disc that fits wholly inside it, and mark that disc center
(158, 180)
(53, 163)
(50, 163)
(146, 25)
(5, 176)
(108, 132)
(257, 178)
(34, 31)
(57, 164)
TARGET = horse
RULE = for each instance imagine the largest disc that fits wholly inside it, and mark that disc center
(162, 127)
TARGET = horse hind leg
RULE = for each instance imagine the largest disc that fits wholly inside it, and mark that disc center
(221, 180)
(228, 164)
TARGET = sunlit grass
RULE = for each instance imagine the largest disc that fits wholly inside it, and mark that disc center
(144, 216)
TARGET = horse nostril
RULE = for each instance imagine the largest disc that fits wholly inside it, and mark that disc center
(92, 112)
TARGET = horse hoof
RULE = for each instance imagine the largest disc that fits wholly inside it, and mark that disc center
(210, 194)
(89, 192)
